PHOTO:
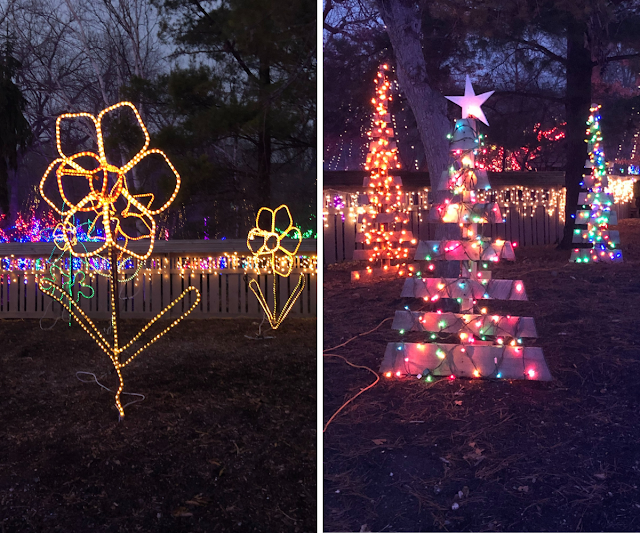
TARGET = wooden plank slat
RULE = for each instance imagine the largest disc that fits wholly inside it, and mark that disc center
(310, 310)
(340, 233)
(221, 287)
(214, 304)
(12, 293)
(349, 238)
(329, 233)
(30, 292)
(195, 280)
(155, 305)
(541, 223)
(175, 291)
(233, 294)
(302, 305)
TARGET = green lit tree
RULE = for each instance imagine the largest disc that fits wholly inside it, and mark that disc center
(595, 242)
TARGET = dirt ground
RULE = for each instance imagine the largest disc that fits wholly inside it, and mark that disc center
(224, 441)
(507, 455)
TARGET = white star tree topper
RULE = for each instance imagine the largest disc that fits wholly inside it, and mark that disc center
(471, 102)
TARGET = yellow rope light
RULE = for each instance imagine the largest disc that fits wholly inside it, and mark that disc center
(272, 243)
(100, 200)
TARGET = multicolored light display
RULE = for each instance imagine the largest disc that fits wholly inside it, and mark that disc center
(594, 212)
(469, 342)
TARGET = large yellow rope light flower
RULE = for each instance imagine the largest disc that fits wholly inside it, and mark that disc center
(282, 260)
(107, 184)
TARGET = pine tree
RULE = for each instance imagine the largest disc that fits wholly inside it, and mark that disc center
(15, 132)
(469, 342)
(386, 241)
(595, 214)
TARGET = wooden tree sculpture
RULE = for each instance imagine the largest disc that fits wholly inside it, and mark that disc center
(596, 242)
(386, 241)
(467, 343)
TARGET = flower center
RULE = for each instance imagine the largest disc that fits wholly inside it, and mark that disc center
(107, 184)
(271, 242)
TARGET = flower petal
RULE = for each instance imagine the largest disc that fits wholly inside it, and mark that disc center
(265, 219)
(128, 166)
(73, 116)
(160, 209)
(256, 241)
(293, 237)
(283, 265)
(119, 231)
(282, 218)
(76, 248)
(70, 171)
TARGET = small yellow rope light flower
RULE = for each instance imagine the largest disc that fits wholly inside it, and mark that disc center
(107, 183)
(282, 266)
(272, 239)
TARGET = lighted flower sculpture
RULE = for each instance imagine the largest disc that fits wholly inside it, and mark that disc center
(111, 202)
(281, 260)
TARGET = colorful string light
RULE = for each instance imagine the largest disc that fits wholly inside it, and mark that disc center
(595, 214)
(469, 342)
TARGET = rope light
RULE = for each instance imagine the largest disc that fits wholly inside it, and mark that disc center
(100, 200)
(280, 266)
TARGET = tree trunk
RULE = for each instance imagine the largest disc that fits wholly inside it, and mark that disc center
(402, 20)
(4, 189)
(578, 102)
(264, 135)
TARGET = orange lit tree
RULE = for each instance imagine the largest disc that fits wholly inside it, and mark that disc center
(386, 241)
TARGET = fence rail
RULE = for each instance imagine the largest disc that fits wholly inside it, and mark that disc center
(162, 278)
(527, 226)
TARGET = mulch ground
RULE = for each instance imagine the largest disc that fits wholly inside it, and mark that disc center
(224, 441)
(507, 455)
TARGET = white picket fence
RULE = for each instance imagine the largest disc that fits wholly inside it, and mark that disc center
(224, 292)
